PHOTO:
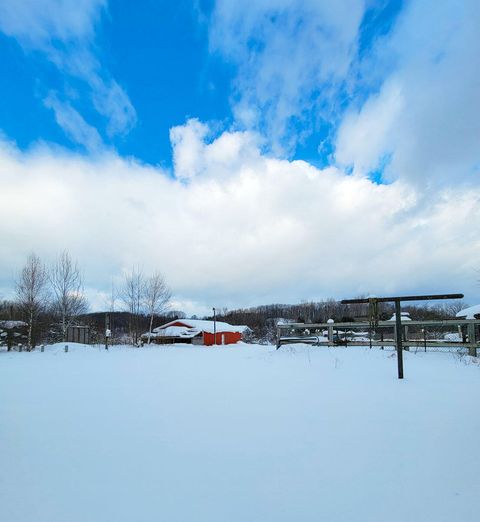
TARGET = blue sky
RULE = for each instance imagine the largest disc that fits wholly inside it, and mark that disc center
(159, 53)
(275, 151)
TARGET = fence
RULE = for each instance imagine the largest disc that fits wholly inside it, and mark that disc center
(452, 334)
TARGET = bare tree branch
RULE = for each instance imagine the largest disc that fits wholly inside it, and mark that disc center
(67, 287)
(32, 292)
(132, 295)
(156, 298)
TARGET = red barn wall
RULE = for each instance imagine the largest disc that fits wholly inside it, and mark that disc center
(228, 338)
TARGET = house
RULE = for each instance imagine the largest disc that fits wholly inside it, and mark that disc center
(472, 312)
(196, 331)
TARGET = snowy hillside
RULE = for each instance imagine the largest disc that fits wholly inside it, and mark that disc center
(237, 434)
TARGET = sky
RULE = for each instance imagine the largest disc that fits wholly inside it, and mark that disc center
(259, 152)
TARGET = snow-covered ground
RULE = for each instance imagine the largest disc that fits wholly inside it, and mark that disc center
(240, 433)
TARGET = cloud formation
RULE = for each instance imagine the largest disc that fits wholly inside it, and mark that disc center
(233, 225)
(426, 115)
(271, 230)
(293, 58)
(399, 102)
(64, 33)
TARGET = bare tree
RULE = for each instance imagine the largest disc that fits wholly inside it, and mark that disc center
(453, 307)
(31, 289)
(67, 287)
(156, 298)
(132, 295)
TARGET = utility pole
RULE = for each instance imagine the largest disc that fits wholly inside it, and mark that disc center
(398, 315)
(107, 330)
(214, 327)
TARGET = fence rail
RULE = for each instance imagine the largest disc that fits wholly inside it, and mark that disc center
(416, 334)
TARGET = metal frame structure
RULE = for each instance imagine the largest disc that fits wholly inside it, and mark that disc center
(296, 332)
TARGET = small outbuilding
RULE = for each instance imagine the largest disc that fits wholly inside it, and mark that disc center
(196, 331)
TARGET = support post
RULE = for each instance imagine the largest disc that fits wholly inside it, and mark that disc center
(398, 336)
(214, 327)
(107, 330)
(472, 349)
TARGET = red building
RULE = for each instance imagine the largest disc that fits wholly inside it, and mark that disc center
(196, 331)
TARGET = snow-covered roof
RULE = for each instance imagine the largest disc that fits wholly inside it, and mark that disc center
(192, 327)
(173, 331)
(404, 316)
(12, 324)
(470, 312)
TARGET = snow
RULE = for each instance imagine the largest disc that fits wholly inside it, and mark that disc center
(404, 316)
(201, 325)
(12, 324)
(173, 331)
(452, 337)
(243, 433)
(470, 312)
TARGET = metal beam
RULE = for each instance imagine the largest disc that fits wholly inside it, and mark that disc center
(402, 298)
(385, 342)
(381, 324)
(398, 316)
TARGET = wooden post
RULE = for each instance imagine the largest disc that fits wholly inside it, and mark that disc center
(472, 349)
(398, 336)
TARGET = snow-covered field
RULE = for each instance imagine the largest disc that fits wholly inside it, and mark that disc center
(240, 433)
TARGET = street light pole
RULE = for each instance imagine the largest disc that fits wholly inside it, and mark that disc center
(214, 327)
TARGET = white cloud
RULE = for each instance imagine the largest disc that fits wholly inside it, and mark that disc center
(298, 63)
(427, 114)
(111, 101)
(187, 141)
(73, 124)
(366, 136)
(64, 32)
(270, 231)
(293, 57)
(193, 155)
(38, 23)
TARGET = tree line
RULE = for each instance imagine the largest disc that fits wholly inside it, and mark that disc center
(50, 299)
(262, 320)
